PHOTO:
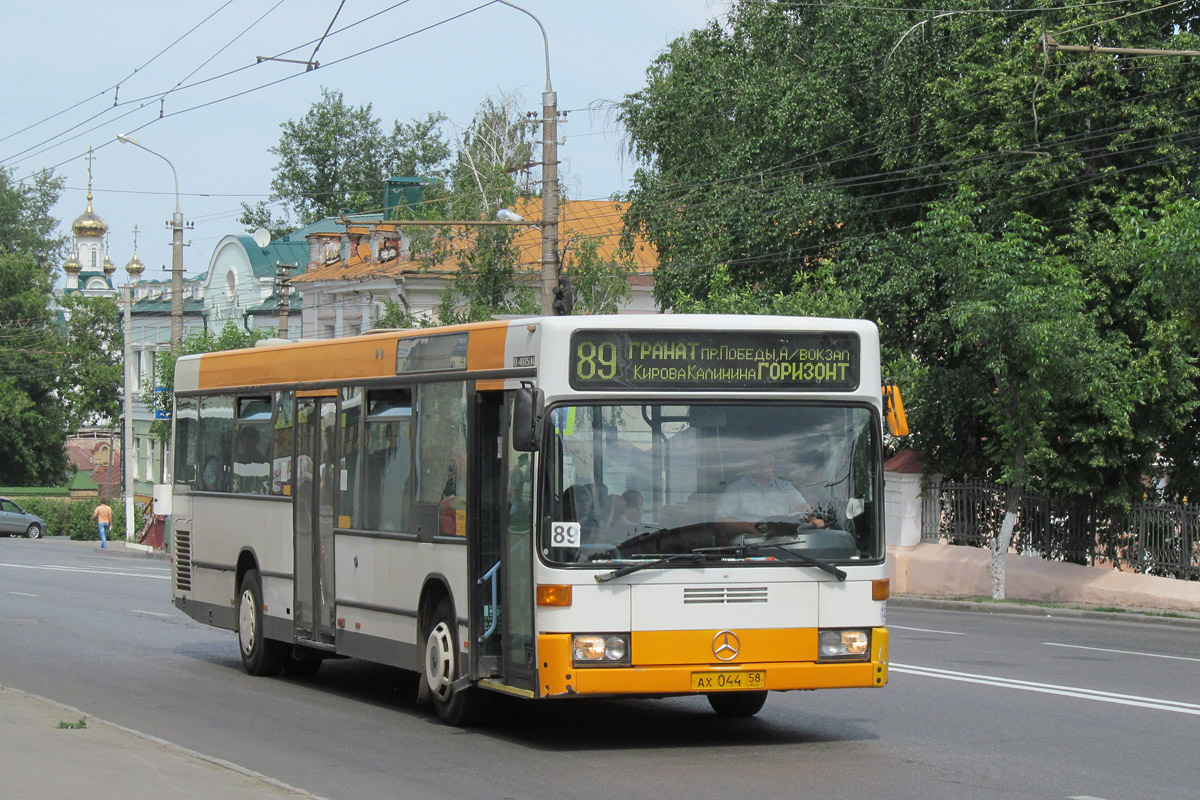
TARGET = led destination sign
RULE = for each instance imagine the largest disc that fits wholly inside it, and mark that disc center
(713, 360)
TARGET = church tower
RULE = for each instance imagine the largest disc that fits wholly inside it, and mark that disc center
(89, 268)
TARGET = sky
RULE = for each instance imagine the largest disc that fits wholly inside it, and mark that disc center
(158, 72)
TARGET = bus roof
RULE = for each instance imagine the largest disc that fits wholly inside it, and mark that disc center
(377, 354)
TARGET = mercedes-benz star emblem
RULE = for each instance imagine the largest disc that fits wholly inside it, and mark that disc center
(726, 645)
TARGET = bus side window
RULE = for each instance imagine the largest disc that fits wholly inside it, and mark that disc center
(442, 454)
(349, 459)
(216, 443)
(283, 442)
(187, 433)
(388, 465)
(252, 459)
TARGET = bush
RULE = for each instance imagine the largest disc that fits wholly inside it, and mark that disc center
(73, 518)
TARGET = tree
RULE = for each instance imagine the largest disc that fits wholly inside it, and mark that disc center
(33, 419)
(493, 149)
(336, 157)
(796, 138)
(1018, 316)
(94, 342)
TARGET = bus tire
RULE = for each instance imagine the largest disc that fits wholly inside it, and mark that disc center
(260, 655)
(737, 704)
(443, 666)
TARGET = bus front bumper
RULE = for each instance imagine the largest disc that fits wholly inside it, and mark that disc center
(559, 677)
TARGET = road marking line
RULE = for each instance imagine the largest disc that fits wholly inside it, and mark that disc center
(1083, 797)
(1122, 652)
(25, 594)
(53, 568)
(1049, 688)
(927, 630)
(151, 613)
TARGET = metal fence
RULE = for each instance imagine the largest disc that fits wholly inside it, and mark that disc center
(1152, 538)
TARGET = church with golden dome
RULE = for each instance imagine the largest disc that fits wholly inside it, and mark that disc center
(89, 268)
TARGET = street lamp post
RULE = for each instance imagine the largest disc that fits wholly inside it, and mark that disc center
(176, 224)
(127, 438)
(549, 177)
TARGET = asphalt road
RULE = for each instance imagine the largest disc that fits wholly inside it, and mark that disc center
(979, 706)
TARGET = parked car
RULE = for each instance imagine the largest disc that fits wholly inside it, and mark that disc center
(15, 521)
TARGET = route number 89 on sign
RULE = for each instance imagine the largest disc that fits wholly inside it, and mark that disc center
(566, 534)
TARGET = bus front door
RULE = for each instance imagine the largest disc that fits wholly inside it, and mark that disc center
(501, 558)
(316, 419)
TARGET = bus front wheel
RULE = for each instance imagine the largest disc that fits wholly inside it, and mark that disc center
(737, 704)
(260, 655)
(458, 707)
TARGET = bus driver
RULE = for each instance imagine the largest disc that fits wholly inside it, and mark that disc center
(759, 495)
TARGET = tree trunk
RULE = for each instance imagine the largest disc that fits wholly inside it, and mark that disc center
(1000, 543)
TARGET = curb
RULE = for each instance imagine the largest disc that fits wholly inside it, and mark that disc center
(1017, 608)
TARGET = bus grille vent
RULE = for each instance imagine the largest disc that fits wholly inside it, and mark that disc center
(721, 595)
(183, 561)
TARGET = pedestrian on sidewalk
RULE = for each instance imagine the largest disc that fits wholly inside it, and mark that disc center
(103, 517)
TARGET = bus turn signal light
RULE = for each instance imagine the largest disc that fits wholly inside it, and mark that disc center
(553, 594)
(881, 589)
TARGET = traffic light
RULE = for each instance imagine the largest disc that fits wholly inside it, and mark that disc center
(564, 298)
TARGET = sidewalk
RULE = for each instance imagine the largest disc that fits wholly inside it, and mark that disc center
(39, 759)
(951, 572)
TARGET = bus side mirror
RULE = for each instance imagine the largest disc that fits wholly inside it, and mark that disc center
(893, 409)
(529, 407)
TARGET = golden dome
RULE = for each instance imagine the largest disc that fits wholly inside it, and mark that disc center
(72, 266)
(89, 223)
(109, 267)
(135, 267)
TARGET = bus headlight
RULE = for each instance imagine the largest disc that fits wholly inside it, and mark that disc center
(848, 645)
(600, 648)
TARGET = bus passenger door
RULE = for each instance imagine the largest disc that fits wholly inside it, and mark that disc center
(316, 419)
(500, 558)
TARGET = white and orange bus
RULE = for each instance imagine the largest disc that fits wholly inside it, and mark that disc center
(551, 507)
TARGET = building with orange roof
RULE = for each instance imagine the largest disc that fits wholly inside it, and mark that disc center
(357, 265)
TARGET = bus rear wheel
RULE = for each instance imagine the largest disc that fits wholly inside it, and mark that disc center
(737, 704)
(260, 655)
(459, 707)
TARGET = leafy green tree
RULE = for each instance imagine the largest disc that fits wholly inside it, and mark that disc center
(261, 215)
(394, 316)
(230, 337)
(494, 148)
(1017, 314)
(336, 157)
(789, 139)
(25, 222)
(33, 419)
(94, 342)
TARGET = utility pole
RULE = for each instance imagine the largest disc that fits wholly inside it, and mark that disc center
(283, 286)
(549, 178)
(129, 457)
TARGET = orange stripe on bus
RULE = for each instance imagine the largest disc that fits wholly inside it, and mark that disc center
(485, 348)
(370, 356)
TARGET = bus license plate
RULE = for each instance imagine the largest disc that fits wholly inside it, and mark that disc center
(729, 681)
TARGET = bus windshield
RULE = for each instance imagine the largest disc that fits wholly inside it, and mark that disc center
(751, 482)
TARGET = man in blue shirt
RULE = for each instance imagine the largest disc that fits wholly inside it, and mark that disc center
(759, 495)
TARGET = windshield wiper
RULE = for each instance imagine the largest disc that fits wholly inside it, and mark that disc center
(695, 555)
(701, 554)
(803, 558)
